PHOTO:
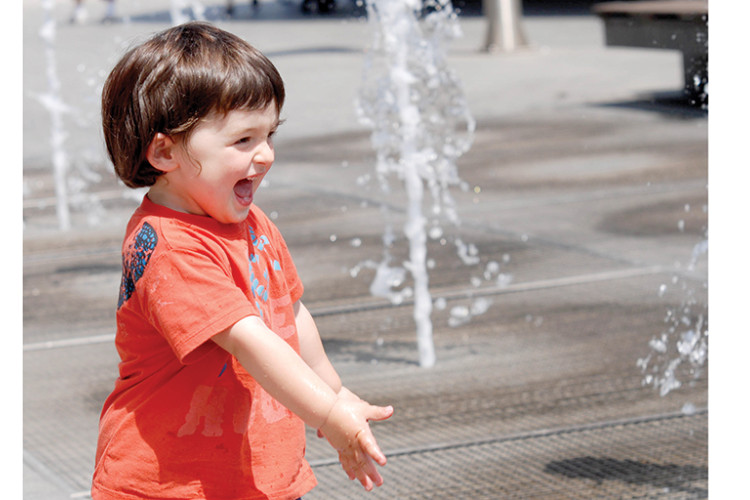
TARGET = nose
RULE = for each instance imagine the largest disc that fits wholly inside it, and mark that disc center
(264, 156)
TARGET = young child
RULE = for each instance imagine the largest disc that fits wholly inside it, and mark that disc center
(221, 364)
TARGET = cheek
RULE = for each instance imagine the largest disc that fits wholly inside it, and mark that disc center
(258, 182)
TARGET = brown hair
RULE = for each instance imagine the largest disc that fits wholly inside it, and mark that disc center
(172, 81)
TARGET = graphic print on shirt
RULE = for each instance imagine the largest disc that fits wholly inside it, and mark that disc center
(259, 278)
(207, 406)
(134, 261)
(270, 409)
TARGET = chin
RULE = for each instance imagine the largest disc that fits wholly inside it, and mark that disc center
(235, 217)
(242, 215)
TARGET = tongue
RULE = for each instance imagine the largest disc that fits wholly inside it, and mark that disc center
(244, 189)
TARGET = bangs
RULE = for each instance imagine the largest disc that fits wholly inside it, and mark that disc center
(244, 86)
(219, 71)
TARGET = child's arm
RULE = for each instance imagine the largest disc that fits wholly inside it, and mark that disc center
(311, 347)
(312, 351)
(288, 378)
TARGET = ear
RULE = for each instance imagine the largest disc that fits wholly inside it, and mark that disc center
(161, 152)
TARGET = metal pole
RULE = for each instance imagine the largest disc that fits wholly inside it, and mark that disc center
(504, 31)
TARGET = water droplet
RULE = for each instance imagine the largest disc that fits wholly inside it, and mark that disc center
(491, 269)
(459, 316)
(659, 345)
(363, 179)
(480, 306)
(435, 232)
(504, 280)
(688, 409)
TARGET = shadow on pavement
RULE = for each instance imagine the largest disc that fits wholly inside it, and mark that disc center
(671, 476)
(670, 104)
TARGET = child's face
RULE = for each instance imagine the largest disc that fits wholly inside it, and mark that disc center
(223, 164)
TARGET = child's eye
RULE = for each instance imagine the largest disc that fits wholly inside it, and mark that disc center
(243, 140)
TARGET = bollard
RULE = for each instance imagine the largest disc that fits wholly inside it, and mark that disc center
(504, 31)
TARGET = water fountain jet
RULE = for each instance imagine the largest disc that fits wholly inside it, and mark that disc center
(52, 101)
(421, 125)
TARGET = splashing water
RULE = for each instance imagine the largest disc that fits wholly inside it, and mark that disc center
(75, 172)
(682, 349)
(52, 101)
(74, 169)
(421, 125)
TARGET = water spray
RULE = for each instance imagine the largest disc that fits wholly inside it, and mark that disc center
(53, 102)
(421, 125)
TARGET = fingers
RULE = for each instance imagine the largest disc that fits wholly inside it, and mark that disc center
(369, 477)
(380, 412)
(358, 465)
(359, 460)
(348, 417)
(348, 431)
(370, 447)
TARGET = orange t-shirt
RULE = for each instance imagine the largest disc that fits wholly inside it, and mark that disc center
(185, 420)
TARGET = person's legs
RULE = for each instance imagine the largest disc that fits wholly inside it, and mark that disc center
(79, 13)
(109, 13)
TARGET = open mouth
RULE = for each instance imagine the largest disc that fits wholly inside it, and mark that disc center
(243, 190)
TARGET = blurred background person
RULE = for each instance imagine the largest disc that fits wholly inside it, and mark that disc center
(80, 15)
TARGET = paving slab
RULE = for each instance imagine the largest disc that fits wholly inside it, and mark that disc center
(586, 198)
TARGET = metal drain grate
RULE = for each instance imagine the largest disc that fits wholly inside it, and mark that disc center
(659, 457)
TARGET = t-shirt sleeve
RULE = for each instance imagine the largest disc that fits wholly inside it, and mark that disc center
(189, 297)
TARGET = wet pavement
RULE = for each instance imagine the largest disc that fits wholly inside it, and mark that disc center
(586, 197)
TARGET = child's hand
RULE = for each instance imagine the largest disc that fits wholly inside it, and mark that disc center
(343, 393)
(347, 430)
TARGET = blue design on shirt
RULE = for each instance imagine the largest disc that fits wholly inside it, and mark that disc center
(134, 261)
(259, 284)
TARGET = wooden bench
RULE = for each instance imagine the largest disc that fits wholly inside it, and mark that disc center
(666, 24)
